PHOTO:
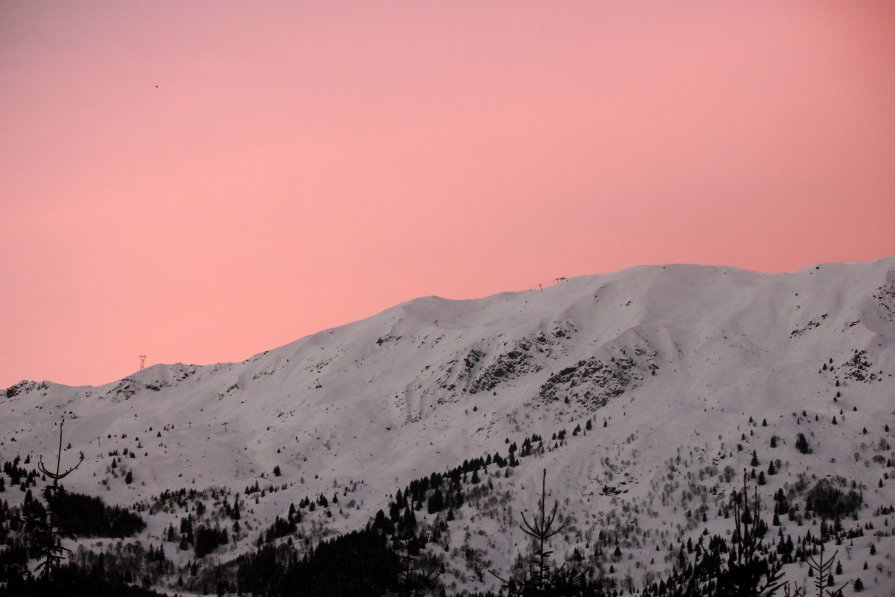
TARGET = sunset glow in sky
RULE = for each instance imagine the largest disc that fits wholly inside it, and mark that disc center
(200, 181)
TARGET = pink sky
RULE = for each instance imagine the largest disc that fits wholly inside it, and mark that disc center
(302, 164)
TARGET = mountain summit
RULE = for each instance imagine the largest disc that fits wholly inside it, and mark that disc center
(644, 393)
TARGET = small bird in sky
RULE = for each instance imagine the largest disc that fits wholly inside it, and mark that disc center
(156, 86)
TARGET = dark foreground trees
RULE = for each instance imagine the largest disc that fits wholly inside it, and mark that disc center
(70, 580)
(45, 530)
(748, 573)
(358, 563)
(35, 531)
(542, 578)
(81, 515)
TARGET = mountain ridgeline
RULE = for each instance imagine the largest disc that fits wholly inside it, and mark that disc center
(409, 446)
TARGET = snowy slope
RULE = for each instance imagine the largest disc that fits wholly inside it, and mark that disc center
(675, 359)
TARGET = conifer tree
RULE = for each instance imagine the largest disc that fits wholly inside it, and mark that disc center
(47, 532)
(802, 444)
(541, 579)
(419, 574)
(747, 574)
(823, 578)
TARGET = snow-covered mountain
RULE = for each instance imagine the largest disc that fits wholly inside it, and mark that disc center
(660, 377)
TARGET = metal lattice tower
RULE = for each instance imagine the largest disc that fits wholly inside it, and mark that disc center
(142, 361)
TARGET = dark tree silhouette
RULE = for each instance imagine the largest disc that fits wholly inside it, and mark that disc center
(46, 533)
(542, 579)
(745, 568)
(802, 444)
